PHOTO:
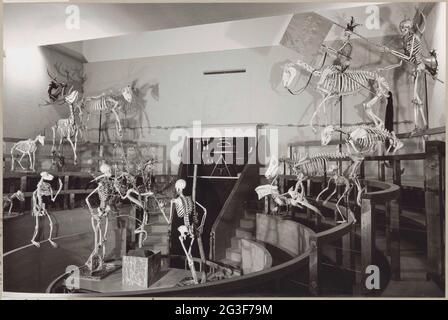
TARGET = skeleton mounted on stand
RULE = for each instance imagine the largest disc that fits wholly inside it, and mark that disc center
(8, 201)
(26, 147)
(38, 208)
(185, 207)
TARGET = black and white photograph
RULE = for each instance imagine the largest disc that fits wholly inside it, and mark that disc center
(239, 150)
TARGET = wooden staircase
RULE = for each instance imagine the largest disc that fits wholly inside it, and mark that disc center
(246, 230)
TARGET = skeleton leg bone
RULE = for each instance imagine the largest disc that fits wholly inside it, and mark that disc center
(189, 259)
(54, 244)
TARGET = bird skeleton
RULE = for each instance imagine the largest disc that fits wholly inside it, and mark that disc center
(26, 147)
(38, 206)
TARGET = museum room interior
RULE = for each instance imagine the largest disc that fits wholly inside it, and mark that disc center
(231, 150)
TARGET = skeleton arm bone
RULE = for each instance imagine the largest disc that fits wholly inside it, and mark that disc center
(203, 216)
(88, 202)
(57, 193)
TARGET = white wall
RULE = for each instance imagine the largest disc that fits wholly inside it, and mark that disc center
(25, 84)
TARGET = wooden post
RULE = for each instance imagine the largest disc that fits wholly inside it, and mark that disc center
(314, 265)
(435, 218)
(367, 237)
(395, 239)
(66, 196)
(23, 187)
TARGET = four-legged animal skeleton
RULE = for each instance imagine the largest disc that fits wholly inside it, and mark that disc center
(26, 147)
(8, 200)
(67, 128)
(191, 228)
(109, 103)
(335, 82)
(38, 206)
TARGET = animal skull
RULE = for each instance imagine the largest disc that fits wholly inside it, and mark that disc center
(106, 170)
(180, 185)
(272, 170)
(289, 73)
(46, 176)
(127, 93)
(326, 135)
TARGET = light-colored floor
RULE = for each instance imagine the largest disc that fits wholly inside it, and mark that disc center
(413, 281)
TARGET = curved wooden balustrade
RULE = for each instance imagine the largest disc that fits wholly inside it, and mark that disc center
(311, 258)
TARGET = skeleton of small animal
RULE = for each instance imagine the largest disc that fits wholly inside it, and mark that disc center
(67, 128)
(293, 197)
(108, 102)
(9, 200)
(26, 147)
(43, 188)
(316, 165)
(336, 82)
(107, 196)
(191, 228)
(361, 141)
(413, 54)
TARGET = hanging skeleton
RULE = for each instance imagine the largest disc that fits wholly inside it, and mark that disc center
(293, 197)
(26, 147)
(8, 201)
(333, 83)
(67, 128)
(412, 53)
(109, 103)
(185, 209)
(38, 206)
(107, 196)
(361, 141)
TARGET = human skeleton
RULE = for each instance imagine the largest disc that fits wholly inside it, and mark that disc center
(412, 53)
(109, 103)
(67, 128)
(38, 206)
(191, 228)
(8, 200)
(334, 83)
(107, 195)
(26, 147)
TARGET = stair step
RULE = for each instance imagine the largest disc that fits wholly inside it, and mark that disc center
(247, 223)
(250, 214)
(157, 219)
(233, 254)
(156, 247)
(244, 233)
(236, 243)
(157, 228)
(161, 237)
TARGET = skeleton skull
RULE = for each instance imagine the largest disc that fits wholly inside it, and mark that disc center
(71, 98)
(289, 73)
(405, 26)
(127, 93)
(272, 169)
(326, 135)
(180, 185)
(106, 170)
(46, 176)
(41, 139)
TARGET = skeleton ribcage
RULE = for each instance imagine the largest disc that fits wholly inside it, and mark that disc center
(25, 146)
(105, 191)
(348, 81)
(184, 208)
(372, 136)
(97, 104)
(413, 40)
(317, 164)
(45, 189)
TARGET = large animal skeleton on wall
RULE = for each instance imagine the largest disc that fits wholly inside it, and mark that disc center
(26, 147)
(38, 206)
(335, 82)
(185, 209)
(108, 102)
